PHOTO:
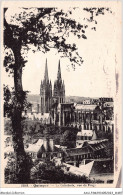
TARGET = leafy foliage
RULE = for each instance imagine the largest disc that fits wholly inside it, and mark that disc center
(13, 169)
(48, 28)
(69, 138)
(49, 173)
(10, 102)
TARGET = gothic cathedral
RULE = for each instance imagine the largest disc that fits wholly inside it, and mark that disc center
(46, 91)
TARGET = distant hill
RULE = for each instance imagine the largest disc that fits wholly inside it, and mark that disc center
(77, 98)
(33, 98)
(36, 98)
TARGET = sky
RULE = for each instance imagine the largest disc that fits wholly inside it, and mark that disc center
(94, 78)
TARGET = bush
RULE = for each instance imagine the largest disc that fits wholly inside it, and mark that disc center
(49, 173)
(69, 138)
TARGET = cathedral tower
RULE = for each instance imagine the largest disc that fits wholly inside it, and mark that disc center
(46, 92)
(59, 87)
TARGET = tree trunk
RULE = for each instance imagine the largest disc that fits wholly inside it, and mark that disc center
(18, 104)
(22, 163)
(22, 160)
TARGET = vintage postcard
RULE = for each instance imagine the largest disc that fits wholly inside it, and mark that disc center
(61, 94)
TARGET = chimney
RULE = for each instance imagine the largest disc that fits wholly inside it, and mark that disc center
(31, 108)
(25, 112)
(37, 108)
(51, 144)
(45, 143)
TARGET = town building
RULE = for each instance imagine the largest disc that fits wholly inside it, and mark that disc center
(44, 148)
(85, 135)
(91, 150)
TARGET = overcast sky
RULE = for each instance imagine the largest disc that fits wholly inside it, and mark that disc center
(95, 77)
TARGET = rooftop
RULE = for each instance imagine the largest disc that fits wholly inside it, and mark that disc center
(85, 133)
(85, 107)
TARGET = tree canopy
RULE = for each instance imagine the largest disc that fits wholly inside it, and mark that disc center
(45, 29)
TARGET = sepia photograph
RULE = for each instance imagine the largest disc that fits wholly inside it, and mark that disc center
(61, 94)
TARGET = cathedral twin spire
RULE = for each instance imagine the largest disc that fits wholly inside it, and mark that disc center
(46, 81)
(46, 89)
(46, 77)
(59, 71)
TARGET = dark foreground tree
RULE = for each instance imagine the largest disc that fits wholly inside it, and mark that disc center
(43, 29)
(11, 173)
